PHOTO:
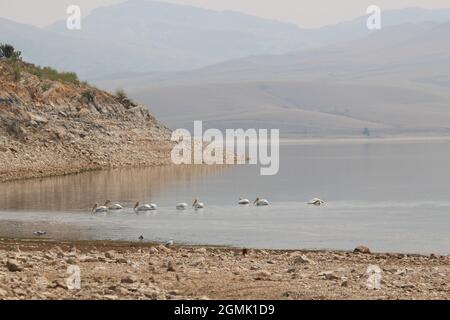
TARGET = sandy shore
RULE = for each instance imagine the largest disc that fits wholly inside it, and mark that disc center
(37, 269)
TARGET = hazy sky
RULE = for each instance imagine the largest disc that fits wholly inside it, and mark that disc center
(305, 13)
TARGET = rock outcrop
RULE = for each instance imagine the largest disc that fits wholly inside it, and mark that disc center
(50, 127)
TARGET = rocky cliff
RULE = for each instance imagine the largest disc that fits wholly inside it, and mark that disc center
(52, 127)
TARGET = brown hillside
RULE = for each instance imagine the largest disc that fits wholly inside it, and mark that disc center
(51, 127)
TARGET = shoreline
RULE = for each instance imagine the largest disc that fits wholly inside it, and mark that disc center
(355, 140)
(17, 169)
(36, 269)
(33, 171)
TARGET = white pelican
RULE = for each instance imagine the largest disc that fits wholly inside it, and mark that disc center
(114, 206)
(198, 205)
(261, 202)
(145, 207)
(182, 206)
(40, 233)
(316, 202)
(103, 208)
(243, 201)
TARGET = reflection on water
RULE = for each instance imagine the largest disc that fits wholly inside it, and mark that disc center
(389, 196)
(81, 191)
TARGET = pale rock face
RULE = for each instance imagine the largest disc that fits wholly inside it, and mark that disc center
(74, 126)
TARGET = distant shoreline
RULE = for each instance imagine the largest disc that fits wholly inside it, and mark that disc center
(26, 173)
(286, 140)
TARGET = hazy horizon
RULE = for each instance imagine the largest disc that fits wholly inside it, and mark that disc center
(302, 13)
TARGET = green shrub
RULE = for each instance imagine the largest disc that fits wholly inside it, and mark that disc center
(121, 95)
(14, 59)
(52, 74)
(88, 96)
(9, 52)
(46, 86)
(17, 72)
(123, 98)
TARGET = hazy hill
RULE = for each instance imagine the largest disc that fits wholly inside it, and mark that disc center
(143, 35)
(65, 52)
(396, 80)
(355, 29)
(172, 37)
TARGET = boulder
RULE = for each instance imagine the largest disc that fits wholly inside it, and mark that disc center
(362, 249)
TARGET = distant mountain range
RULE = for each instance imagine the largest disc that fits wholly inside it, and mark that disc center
(148, 36)
(394, 81)
(355, 29)
(143, 35)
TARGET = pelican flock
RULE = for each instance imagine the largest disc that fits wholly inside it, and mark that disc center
(183, 205)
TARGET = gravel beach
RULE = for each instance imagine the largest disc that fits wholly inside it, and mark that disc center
(39, 269)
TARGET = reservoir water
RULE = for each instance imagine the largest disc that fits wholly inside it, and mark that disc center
(390, 196)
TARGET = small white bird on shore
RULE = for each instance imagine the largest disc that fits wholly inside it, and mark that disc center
(169, 243)
(243, 201)
(198, 205)
(145, 207)
(261, 202)
(316, 202)
(182, 206)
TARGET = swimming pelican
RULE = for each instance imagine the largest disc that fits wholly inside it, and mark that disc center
(316, 202)
(145, 207)
(114, 206)
(261, 202)
(103, 208)
(182, 206)
(243, 201)
(197, 205)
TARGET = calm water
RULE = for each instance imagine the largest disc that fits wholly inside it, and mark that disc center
(388, 196)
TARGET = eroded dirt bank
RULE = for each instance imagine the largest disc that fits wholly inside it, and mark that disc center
(50, 127)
